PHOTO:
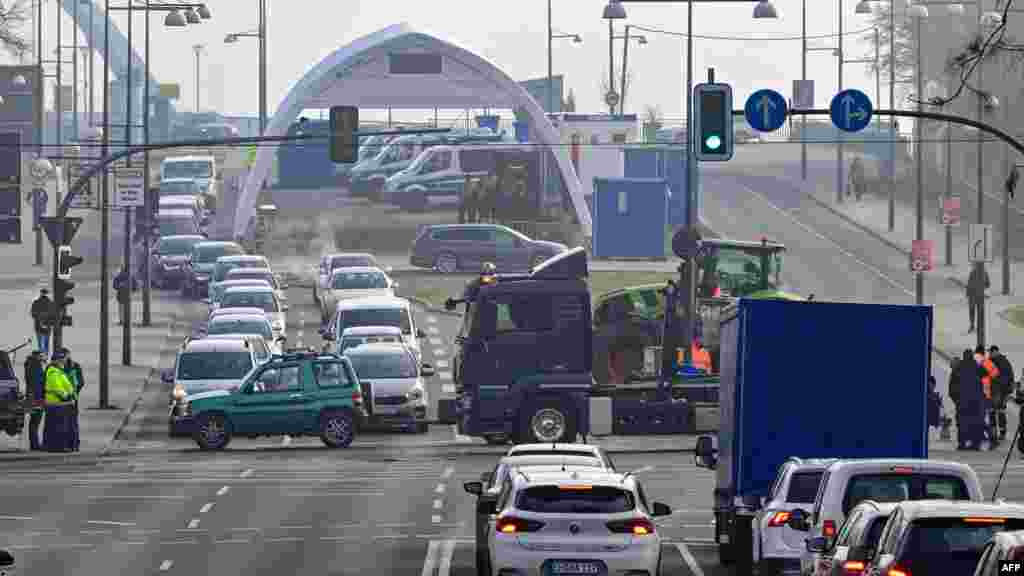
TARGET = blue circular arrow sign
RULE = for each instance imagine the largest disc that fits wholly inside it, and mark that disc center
(765, 110)
(851, 110)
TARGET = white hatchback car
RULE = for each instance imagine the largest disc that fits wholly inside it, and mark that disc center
(258, 324)
(574, 520)
(262, 297)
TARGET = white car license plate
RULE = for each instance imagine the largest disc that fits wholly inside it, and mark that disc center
(562, 567)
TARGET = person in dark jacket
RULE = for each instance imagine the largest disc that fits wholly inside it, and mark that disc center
(1002, 389)
(74, 371)
(972, 403)
(954, 392)
(977, 283)
(934, 404)
(35, 386)
(42, 320)
(122, 289)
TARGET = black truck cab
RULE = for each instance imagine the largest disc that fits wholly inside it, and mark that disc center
(523, 361)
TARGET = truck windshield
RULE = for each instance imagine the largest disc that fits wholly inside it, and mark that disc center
(188, 169)
(736, 272)
(214, 365)
(589, 500)
(383, 366)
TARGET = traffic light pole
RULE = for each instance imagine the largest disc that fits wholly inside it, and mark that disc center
(58, 313)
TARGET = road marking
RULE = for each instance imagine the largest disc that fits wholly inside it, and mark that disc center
(92, 532)
(436, 341)
(166, 565)
(286, 441)
(111, 497)
(445, 374)
(15, 517)
(432, 319)
(433, 330)
(206, 508)
(438, 504)
(246, 473)
(448, 388)
(109, 523)
(643, 469)
(430, 562)
(440, 352)
(877, 272)
(173, 542)
(440, 489)
(233, 541)
(689, 559)
(436, 519)
(441, 363)
(193, 523)
(284, 539)
(223, 490)
(335, 493)
(447, 472)
(445, 566)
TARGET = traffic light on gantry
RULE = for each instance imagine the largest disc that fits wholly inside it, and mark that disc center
(344, 142)
(63, 285)
(713, 133)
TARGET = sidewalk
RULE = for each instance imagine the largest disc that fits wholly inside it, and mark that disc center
(98, 427)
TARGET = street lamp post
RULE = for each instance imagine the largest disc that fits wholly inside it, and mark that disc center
(918, 153)
(626, 38)
(552, 36)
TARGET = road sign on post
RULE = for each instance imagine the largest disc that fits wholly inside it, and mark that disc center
(803, 94)
(851, 110)
(921, 256)
(86, 197)
(979, 243)
(765, 110)
(950, 212)
(129, 192)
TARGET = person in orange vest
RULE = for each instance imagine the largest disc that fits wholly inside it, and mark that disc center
(990, 374)
(701, 356)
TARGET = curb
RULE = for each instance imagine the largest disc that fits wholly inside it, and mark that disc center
(881, 238)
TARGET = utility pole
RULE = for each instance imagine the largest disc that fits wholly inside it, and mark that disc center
(611, 62)
(263, 68)
(551, 80)
(625, 64)
(803, 76)
(980, 113)
(839, 133)
(198, 49)
(74, 77)
(147, 224)
(126, 318)
(105, 219)
(892, 120)
(40, 87)
(919, 162)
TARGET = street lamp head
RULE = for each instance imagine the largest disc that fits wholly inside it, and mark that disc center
(577, 39)
(174, 19)
(864, 7)
(19, 80)
(765, 9)
(614, 10)
(956, 9)
(204, 12)
(231, 39)
(917, 11)
(991, 103)
(641, 39)
(192, 17)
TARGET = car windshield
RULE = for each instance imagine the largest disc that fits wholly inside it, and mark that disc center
(583, 499)
(803, 487)
(232, 326)
(221, 272)
(359, 280)
(213, 365)
(183, 188)
(352, 261)
(397, 317)
(176, 246)
(262, 300)
(383, 366)
(950, 545)
(353, 341)
(220, 289)
(208, 254)
(188, 169)
(254, 274)
(177, 226)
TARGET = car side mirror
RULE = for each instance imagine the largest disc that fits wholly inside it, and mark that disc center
(420, 334)
(659, 509)
(474, 488)
(426, 370)
(817, 545)
(798, 520)
(704, 454)
(282, 339)
(167, 376)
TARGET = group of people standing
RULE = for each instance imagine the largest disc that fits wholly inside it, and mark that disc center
(980, 384)
(55, 388)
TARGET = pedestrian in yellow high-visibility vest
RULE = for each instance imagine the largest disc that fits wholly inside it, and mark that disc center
(60, 398)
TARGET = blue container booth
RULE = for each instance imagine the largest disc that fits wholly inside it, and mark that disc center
(630, 217)
(668, 163)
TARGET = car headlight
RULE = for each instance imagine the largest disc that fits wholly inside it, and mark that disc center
(179, 393)
(203, 277)
(415, 394)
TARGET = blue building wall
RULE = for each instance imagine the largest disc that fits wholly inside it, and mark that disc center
(630, 217)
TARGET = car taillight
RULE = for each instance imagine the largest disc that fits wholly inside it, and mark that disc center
(357, 397)
(853, 566)
(897, 571)
(513, 525)
(634, 526)
(779, 519)
(828, 529)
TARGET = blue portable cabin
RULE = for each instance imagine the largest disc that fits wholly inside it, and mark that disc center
(630, 217)
(306, 164)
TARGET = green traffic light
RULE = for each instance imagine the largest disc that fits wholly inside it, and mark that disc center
(713, 142)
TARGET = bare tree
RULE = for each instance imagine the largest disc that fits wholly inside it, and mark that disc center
(13, 17)
(653, 116)
(618, 83)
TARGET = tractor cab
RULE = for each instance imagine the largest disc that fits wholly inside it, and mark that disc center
(736, 268)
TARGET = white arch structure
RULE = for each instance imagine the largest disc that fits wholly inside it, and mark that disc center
(358, 75)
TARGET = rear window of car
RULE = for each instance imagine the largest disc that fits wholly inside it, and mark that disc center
(950, 545)
(211, 253)
(466, 234)
(352, 261)
(553, 453)
(900, 487)
(803, 487)
(581, 500)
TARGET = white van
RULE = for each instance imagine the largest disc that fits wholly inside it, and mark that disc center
(184, 203)
(376, 311)
(178, 222)
(202, 169)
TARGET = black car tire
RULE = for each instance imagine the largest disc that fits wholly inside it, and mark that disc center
(337, 429)
(551, 407)
(205, 438)
(483, 562)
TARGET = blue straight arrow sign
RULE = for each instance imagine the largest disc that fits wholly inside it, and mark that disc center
(765, 110)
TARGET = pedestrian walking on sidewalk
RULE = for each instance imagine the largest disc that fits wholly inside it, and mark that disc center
(1002, 390)
(989, 374)
(971, 432)
(977, 283)
(59, 399)
(36, 388)
(75, 375)
(857, 178)
(42, 319)
(121, 287)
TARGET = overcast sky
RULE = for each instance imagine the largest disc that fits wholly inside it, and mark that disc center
(512, 34)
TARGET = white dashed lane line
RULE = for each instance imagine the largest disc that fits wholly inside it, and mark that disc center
(248, 472)
(447, 473)
(448, 388)
(441, 363)
(193, 523)
(224, 490)
(166, 565)
(440, 489)
(433, 330)
(438, 504)
(436, 341)
(440, 352)
(206, 508)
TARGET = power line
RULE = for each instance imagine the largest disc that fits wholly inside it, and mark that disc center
(748, 38)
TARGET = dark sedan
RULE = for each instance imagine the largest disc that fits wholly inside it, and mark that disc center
(169, 258)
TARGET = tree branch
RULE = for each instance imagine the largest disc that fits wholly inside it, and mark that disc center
(12, 19)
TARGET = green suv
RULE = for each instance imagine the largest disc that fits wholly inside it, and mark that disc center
(299, 393)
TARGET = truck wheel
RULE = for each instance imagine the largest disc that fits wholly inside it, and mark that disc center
(337, 429)
(213, 432)
(549, 422)
(446, 263)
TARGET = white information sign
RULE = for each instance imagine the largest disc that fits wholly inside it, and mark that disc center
(803, 94)
(86, 198)
(129, 191)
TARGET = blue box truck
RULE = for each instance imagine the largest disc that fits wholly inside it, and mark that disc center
(811, 380)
